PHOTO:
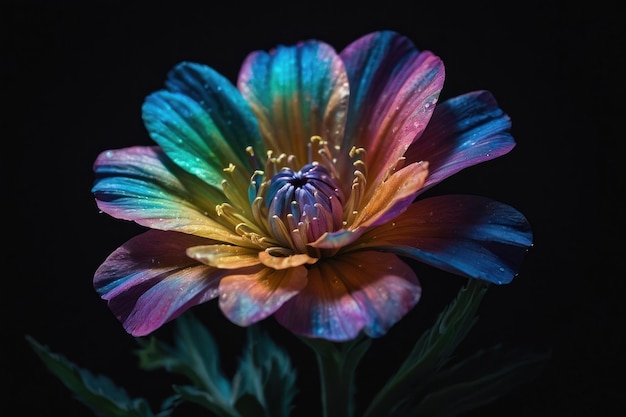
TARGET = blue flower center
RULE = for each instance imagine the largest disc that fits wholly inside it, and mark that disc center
(307, 201)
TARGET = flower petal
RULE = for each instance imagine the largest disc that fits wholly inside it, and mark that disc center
(297, 92)
(393, 195)
(202, 123)
(254, 294)
(224, 256)
(463, 131)
(149, 280)
(393, 91)
(471, 236)
(367, 291)
(143, 185)
(392, 198)
(282, 262)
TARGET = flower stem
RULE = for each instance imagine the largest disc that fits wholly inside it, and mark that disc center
(337, 363)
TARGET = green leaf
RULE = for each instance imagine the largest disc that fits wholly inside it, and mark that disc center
(478, 380)
(430, 353)
(249, 405)
(266, 374)
(337, 365)
(196, 356)
(202, 398)
(97, 392)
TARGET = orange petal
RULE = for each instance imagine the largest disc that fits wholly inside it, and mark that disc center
(224, 256)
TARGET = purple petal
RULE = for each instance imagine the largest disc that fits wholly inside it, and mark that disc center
(149, 280)
(463, 131)
(467, 235)
(393, 91)
(367, 291)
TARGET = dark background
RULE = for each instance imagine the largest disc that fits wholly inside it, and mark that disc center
(75, 76)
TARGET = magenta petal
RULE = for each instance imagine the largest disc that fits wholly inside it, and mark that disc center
(149, 280)
(367, 291)
(393, 92)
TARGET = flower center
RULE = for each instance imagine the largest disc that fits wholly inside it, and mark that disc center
(307, 202)
(290, 204)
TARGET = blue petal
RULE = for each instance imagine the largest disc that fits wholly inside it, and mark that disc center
(467, 235)
(464, 131)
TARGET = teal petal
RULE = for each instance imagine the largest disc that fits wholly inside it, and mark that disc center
(202, 123)
(141, 184)
(296, 93)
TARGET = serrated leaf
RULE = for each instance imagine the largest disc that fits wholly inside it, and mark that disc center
(204, 399)
(97, 392)
(265, 372)
(195, 355)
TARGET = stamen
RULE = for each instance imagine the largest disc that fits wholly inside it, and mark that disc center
(255, 184)
(253, 158)
(259, 211)
(234, 187)
(255, 238)
(351, 208)
(280, 232)
(299, 238)
(313, 146)
(295, 205)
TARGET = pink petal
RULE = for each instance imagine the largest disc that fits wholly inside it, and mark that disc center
(149, 280)
(256, 293)
(393, 92)
(367, 291)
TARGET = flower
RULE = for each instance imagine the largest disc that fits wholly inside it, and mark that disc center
(295, 192)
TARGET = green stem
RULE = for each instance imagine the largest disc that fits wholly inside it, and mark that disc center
(337, 387)
(337, 364)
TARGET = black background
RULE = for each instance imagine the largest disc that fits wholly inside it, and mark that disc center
(76, 74)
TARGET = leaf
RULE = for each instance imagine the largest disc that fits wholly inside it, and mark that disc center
(196, 356)
(478, 380)
(430, 353)
(266, 374)
(249, 405)
(202, 398)
(97, 392)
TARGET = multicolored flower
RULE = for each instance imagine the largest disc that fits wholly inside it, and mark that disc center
(296, 192)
